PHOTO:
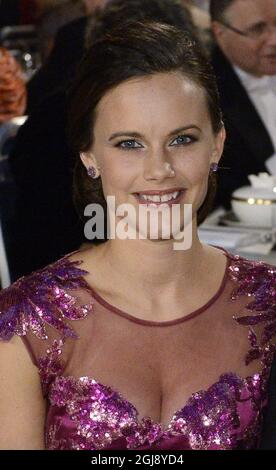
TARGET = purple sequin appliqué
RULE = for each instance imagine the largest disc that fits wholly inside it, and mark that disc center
(101, 416)
(41, 299)
(257, 281)
(209, 420)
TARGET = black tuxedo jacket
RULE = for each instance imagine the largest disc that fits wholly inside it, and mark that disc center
(248, 144)
(42, 164)
(60, 67)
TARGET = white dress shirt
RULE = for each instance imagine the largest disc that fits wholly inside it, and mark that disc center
(262, 93)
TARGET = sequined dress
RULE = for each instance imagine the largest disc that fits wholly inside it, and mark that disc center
(98, 365)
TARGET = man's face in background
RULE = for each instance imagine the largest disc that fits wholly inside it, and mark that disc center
(254, 52)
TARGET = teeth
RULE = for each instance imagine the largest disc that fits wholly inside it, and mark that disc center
(164, 198)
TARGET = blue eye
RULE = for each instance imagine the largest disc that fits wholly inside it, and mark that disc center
(183, 140)
(128, 144)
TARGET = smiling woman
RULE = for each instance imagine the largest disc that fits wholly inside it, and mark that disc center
(147, 78)
(137, 345)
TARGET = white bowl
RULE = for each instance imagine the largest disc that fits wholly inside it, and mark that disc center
(255, 206)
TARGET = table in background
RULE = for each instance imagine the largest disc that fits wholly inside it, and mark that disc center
(212, 220)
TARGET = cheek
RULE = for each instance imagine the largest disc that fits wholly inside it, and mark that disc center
(195, 168)
(201, 174)
(256, 52)
(243, 52)
(199, 190)
(251, 54)
(118, 173)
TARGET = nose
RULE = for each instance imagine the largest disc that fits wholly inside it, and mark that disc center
(158, 167)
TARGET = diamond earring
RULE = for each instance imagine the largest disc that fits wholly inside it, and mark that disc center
(92, 172)
(214, 167)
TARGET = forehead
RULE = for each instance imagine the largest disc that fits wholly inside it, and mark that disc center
(249, 12)
(160, 99)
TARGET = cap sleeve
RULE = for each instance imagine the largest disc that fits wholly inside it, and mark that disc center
(257, 281)
(40, 309)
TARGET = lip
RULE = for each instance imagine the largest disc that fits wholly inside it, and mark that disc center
(162, 203)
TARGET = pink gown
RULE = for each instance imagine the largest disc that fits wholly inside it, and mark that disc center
(94, 361)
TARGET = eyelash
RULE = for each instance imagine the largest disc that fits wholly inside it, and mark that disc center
(119, 144)
(192, 140)
(191, 137)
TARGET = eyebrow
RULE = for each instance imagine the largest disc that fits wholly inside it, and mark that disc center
(138, 135)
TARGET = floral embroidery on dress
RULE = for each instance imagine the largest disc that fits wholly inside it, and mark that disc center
(99, 414)
(210, 419)
(257, 280)
(41, 298)
(51, 365)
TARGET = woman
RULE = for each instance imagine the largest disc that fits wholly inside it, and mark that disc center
(57, 228)
(140, 345)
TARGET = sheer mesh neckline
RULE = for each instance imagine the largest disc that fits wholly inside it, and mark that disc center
(176, 321)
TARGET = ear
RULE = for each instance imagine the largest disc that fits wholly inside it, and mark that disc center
(218, 145)
(89, 160)
(217, 29)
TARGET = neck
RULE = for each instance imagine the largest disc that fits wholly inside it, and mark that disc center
(149, 265)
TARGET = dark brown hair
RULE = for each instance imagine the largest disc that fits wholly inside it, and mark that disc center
(171, 12)
(218, 8)
(134, 50)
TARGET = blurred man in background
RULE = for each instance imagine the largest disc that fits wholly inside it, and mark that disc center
(245, 64)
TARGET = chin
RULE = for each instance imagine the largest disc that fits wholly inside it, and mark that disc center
(164, 233)
(269, 68)
(157, 236)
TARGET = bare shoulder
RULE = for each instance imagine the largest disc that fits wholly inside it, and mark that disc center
(13, 354)
(88, 252)
(22, 406)
(16, 365)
